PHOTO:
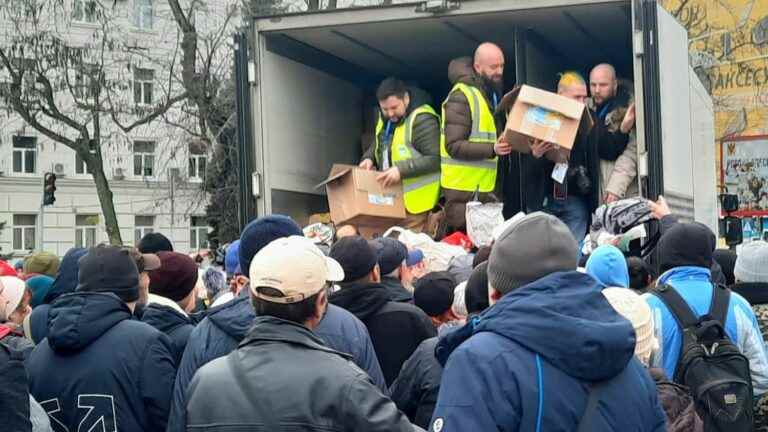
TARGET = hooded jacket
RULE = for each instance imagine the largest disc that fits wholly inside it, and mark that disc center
(99, 365)
(165, 315)
(531, 357)
(227, 325)
(65, 283)
(396, 329)
(425, 139)
(609, 267)
(283, 377)
(397, 293)
(416, 388)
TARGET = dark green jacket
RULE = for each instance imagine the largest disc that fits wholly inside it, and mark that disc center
(426, 140)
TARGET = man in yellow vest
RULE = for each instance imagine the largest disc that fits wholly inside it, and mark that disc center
(468, 141)
(407, 148)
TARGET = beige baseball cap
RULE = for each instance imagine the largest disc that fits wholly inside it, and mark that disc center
(295, 267)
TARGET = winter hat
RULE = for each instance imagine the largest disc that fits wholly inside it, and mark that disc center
(66, 279)
(175, 278)
(7, 270)
(632, 307)
(43, 262)
(232, 259)
(391, 254)
(536, 246)
(356, 256)
(109, 269)
(11, 292)
(752, 263)
(39, 286)
(727, 260)
(459, 303)
(476, 293)
(608, 266)
(433, 293)
(262, 232)
(686, 244)
(154, 242)
(415, 256)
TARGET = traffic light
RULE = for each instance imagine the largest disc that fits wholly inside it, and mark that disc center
(49, 189)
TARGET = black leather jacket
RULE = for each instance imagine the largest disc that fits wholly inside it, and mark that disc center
(283, 378)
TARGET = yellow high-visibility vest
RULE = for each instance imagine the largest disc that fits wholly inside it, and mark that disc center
(421, 192)
(464, 175)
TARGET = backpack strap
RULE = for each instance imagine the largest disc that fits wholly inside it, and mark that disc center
(596, 390)
(721, 299)
(677, 306)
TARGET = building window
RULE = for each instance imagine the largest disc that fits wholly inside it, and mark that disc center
(86, 80)
(143, 80)
(24, 228)
(198, 233)
(85, 11)
(143, 158)
(197, 161)
(144, 225)
(24, 154)
(143, 14)
(81, 167)
(85, 230)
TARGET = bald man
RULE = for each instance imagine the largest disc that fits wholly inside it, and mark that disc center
(614, 113)
(468, 141)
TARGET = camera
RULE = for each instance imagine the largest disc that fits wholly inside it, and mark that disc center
(581, 179)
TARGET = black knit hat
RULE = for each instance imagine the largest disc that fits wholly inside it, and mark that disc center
(356, 257)
(154, 243)
(476, 294)
(433, 293)
(686, 244)
(109, 269)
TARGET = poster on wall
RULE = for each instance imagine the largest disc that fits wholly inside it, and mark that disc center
(744, 172)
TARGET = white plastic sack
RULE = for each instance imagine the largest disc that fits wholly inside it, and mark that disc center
(437, 255)
(482, 219)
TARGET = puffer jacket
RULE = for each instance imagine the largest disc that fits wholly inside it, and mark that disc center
(458, 125)
(165, 315)
(617, 176)
(425, 139)
(225, 326)
(15, 340)
(416, 388)
(530, 358)
(283, 377)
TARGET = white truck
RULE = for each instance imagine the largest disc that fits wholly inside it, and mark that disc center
(311, 79)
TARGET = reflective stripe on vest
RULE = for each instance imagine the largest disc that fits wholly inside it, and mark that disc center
(465, 175)
(421, 192)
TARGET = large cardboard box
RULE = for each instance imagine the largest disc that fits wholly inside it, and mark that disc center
(356, 198)
(543, 115)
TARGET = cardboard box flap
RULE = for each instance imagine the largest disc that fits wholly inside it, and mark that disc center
(337, 172)
(551, 101)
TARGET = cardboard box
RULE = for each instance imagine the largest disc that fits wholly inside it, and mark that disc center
(544, 115)
(356, 198)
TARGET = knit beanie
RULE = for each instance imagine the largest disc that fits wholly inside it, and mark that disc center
(752, 263)
(262, 232)
(154, 242)
(632, 307)
(686, 244)
(536, 246)
(109, 269)
(476, 292)
(232, 259)
(40, 286)
(433, 293)
(175, 278)
(11, 293)
(43, 262)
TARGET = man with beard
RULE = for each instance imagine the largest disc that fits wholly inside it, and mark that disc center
(406, 148)
(468, 141)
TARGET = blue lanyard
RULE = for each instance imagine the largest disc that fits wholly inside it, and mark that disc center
(495, 101)
(603, 112)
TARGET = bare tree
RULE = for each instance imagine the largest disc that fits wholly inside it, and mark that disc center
(73, 73)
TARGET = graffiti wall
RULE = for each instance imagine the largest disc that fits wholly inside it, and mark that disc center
(729, 52)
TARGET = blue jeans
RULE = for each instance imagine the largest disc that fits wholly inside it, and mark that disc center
(573, 211)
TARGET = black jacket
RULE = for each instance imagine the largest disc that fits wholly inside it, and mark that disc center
(176, 325)
(98, 364)
(397, 293)
(283, 377)
(396, 329)
(416, 388)
(14, 394)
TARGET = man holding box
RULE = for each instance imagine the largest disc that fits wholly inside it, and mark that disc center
(406, 149)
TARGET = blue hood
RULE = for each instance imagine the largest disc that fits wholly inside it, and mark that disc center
(609, 267)
(66, 279)
(235, 317)
(164, 318)
(78, 319)
(565, 319)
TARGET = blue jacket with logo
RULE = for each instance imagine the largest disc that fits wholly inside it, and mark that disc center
(531, 357)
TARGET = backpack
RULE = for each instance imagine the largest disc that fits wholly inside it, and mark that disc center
(710, 365)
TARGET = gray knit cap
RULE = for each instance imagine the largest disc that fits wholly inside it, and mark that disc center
(536, 246)
(752, 263)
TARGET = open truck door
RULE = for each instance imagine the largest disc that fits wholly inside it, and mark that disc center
(675, 122)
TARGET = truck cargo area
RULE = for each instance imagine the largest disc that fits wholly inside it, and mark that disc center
(317, 74)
